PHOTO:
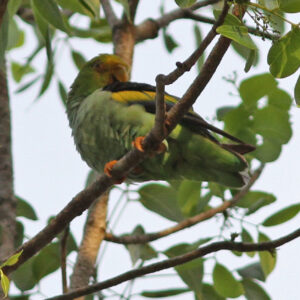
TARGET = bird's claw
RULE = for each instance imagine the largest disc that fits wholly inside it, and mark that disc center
(108, 168)
(138, 144)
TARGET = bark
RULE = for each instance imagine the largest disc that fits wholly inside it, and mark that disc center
(7, 199)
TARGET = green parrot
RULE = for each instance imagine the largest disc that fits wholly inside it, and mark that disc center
(107, 113)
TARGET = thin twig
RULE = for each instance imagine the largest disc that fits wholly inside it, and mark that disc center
(178, 260)
(149, 237)
(109, 13)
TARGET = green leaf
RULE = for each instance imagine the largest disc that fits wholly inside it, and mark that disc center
(198, 38)
(238, 34)
(161, 200)
(255, 200)
(47, 261)
(140, 251)
(93, 6)
(19, 234)
(209, 293)
(78, 59)
(230, 19)
(15, 36)
(125, 5)
(164, 293)
(282, 216)
(169, 42)
(76, 6)
(254, 291)
(254, 88)
(269, 151)
(27, 85)
(247, 238)
(192, 273)
(252, 271)
(23, 277)
(12, 260)
(13, 6)
(20, 297)
(62, 92)
(267, 259)
(250, 60)
(24, 209)
(49, 10)
(188, 197)
(19, 71)
(222, 111)
(185, 3)
(297, 92)
(289, 6)
(4, 283)
(284, 55)
(47, 79)
(280, 99)
(225, 284)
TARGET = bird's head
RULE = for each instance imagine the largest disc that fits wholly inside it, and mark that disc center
(99, 72)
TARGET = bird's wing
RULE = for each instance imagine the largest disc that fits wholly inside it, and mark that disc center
(131, 93)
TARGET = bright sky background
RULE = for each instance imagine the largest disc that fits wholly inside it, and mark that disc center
(49, 171)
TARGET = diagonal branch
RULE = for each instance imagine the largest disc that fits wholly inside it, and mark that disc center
(130, 160)
(145, 238)
(178, 260)
(109, 13)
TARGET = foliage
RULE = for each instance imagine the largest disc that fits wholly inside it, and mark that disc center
(261, 118)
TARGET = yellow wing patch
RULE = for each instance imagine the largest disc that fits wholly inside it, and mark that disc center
(129, 96)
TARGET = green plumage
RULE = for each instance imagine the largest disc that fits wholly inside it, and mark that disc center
(106, 114)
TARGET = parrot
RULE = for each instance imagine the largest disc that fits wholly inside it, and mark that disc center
(107, 113)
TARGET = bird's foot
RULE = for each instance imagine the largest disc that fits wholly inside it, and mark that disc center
(138, 144)
(108, 168)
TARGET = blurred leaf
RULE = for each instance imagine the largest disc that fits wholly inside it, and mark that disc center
(23, 277)
(78, 59)
(247, 238)
(140, 251)
(13, 6)
(284, 55)
(47, 79)
(222, 111)
(188, 196)
(254, 88)
(267, 152)
(267, 259)
(282, 216)
(49, 10)
(297, 92)
(76, 6)
(164, 293)
(183, 248)
(230, 19)
(198, 38)
(3, 37)
(272, 123)
(62, 92)
(20, 297)
(254, 291)
(255, 200)
(238, 34)
(4, 283)
(19, 234)
(27, 85)
(185, 3)
(125, 5)
(269, 4)
(161, 200)
(289, 6)
(250, 60)
(245, 52)
(47, 261)
(19, 71)
(225, 284)
(280, 99)
(169, 42)
(252, 271)
(216, 189)
(24, 209)
(192, 273)
(209, 293)
(15, 36)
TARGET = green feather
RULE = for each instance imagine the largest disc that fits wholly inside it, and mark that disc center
(107, 115)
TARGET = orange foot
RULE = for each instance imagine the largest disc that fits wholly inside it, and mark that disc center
(108, 168)
(138, 144)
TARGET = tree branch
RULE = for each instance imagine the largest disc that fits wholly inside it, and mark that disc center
(178, 260)
(109, 13)
(93, 236)
(86, 197)
(146, 238)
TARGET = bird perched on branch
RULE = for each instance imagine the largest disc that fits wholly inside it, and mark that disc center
(107, 113)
